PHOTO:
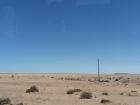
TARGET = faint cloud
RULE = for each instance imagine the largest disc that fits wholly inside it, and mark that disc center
(8, 26)
(91, 2)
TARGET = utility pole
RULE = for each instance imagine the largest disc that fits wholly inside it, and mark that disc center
(98, 70)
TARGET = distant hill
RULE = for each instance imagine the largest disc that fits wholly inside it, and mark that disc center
(122, 74)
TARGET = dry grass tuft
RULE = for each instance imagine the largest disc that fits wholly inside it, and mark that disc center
(20, 103)
(133, 91)
(103, 101)
(5, 101)
(104, 81)
(105, 93)
(72, 91)
(32, 89)
(122, 93)
(86, 95)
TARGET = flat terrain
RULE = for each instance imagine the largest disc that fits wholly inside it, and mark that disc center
(121, 89)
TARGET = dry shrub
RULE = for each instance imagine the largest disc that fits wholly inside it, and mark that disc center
(61, 78)
(95, 97)
(103, 101)
(138, 84)
(72, 91)
(105, 93)
(130, 94)
(77, 90)
(116, 79)
(20, 103)
(122, 93)
(5, 101)
(104, 81)
(133, 91)
(12, 76)
(73, 79)
(90, 80)
(32, 89)
(86, 95)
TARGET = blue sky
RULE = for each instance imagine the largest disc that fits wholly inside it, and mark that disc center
(69, 35)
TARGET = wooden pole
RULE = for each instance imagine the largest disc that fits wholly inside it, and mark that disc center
(98, 70)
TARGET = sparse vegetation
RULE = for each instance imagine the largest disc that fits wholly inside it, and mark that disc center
(133, 91)
(95, 97)
(122, 93)
(20, 103)
(116, 79)
(12, 76)
(5, 101)
(105, 81)
(103, 101)
(77, 90)
(95, 92)
(105, 93)
(131, 94)
(90, 80)
(32, 89)
(86, 95)
(73, 79)
(72, 91)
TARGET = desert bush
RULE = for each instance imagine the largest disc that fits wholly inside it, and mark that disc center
(138, 84)
(5, 101)
(131, 94)
(90, 80)
(116, 79)
(133, 91)
(12, 76)
(95, 97)
(61, 78)
(103, 101)
(32, 89)
(20, 103)
(122, 93)
(105, 93)
(73, 79)
(137, 78)
(105, 81)
(77, 90)
(72, 91)
(86, 95)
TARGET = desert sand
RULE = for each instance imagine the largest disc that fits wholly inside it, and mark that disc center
(121, 89)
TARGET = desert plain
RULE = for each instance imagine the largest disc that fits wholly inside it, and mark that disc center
(118, 89)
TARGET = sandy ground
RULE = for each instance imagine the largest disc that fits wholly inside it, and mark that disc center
(53, 89)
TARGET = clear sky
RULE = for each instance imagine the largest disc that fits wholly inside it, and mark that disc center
(69, 35)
